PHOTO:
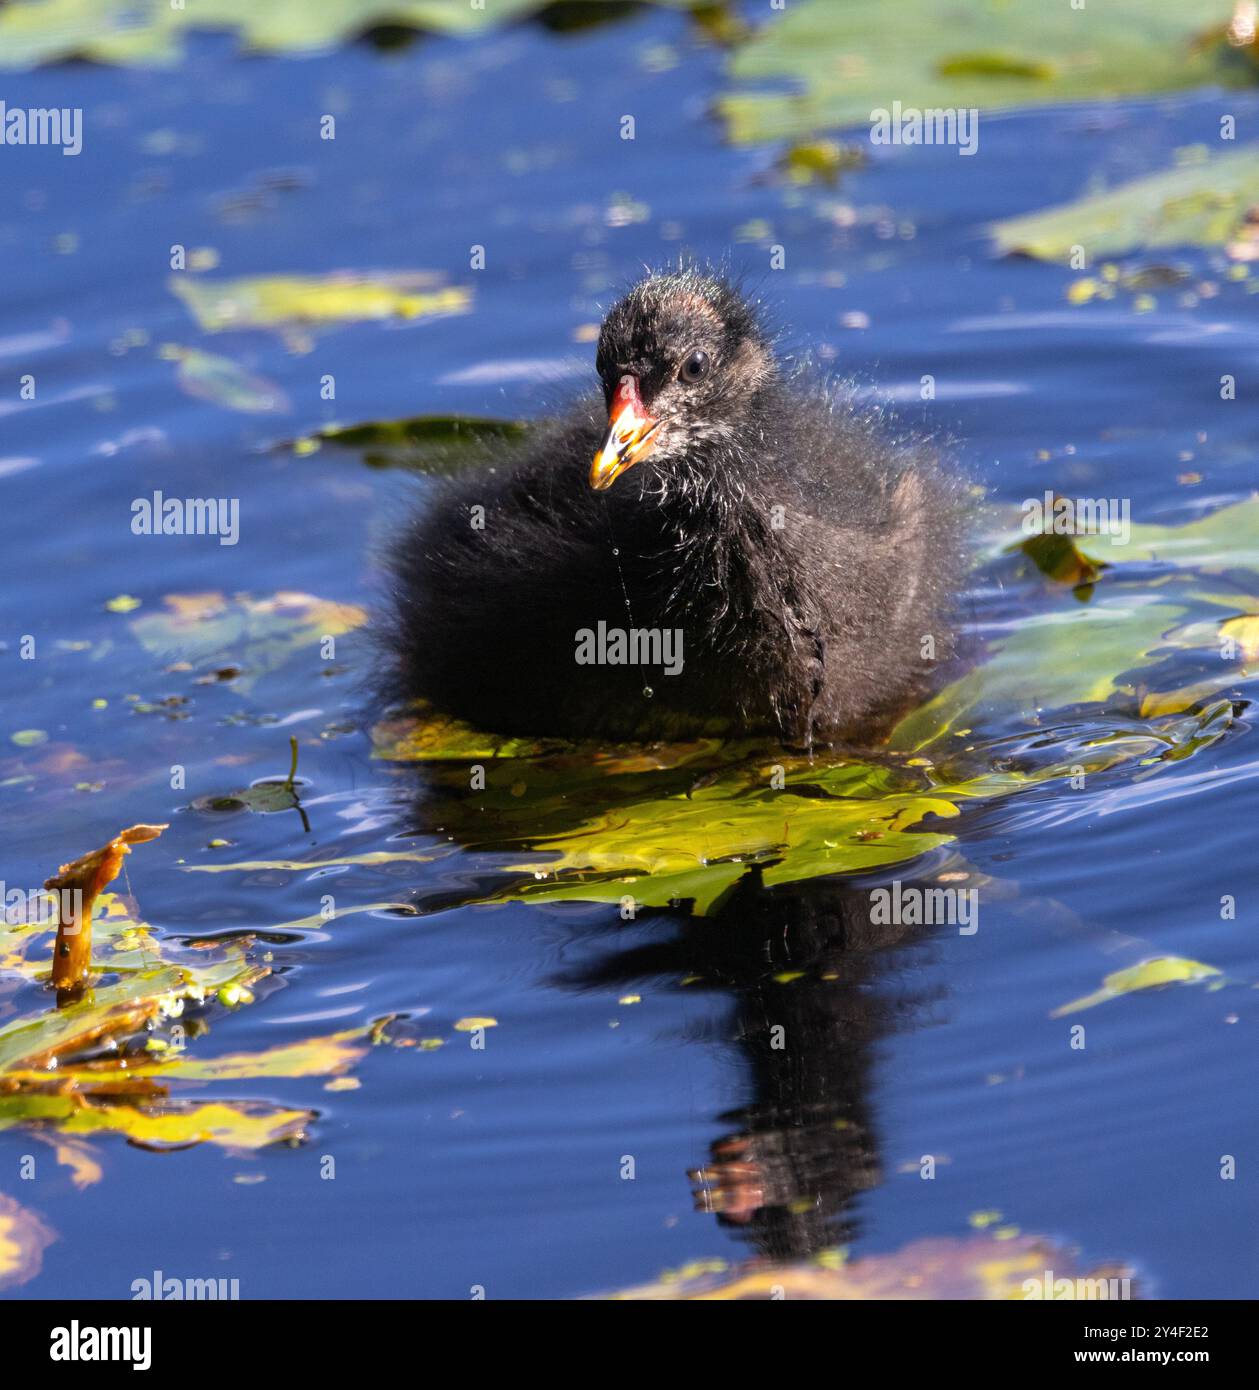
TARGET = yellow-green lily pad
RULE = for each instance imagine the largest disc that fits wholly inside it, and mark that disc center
(1204, 204)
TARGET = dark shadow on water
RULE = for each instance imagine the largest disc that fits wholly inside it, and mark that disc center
(805, 970)
(808, 973)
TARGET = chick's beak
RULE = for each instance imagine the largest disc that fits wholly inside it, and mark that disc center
(629, 438)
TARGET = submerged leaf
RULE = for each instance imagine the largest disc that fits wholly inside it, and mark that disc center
(223, 382)
(257, 634)
(23, 1240)
(1150, 974)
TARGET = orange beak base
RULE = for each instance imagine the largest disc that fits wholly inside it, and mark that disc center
(629, 437)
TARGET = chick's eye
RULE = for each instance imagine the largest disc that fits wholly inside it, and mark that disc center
(693, 366)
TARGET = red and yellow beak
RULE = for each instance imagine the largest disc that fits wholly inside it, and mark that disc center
(629, 438)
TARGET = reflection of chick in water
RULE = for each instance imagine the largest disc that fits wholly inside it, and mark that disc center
(803, 968)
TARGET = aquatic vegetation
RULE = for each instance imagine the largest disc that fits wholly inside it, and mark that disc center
(843, 62)
(256, 634)
(294, 304)
(1150, 974)
(980, 1267)
(1207, 203)
(680, 825)
(210, 377)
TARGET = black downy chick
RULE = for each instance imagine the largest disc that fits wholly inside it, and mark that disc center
(712, 548)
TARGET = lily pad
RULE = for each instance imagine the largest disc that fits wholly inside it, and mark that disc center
(1205, 204)
(153, 32)
(238, 1125)
(292, 302)
(107, 1057)
(841, 62)
(430, 443)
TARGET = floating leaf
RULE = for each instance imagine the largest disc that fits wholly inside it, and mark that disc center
(1094, 653)
(845, 61)
(437, 736)
(1203, 205)
(102, 1060)
(822, 161)
(1060, 558)
(1150, 974)
(290, 301)
(153, 32)
(237, 1125)
(332, 1055)
(1244, 630)
(112, 1014)
(432, 443)
(980, 1267)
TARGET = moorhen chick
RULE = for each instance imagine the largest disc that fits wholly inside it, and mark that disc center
(712, 547)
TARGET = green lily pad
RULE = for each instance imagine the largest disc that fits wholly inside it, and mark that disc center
(293, 302)
(1202, 205)
(152, 32)
(844, 61)
(430, 443)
